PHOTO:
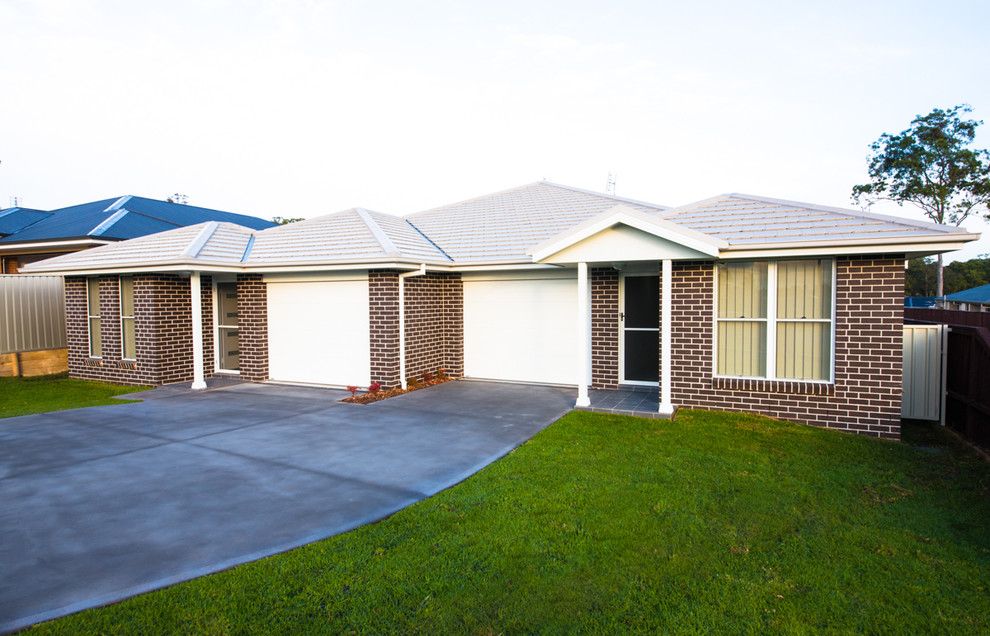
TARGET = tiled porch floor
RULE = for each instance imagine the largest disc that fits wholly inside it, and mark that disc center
(638, 401)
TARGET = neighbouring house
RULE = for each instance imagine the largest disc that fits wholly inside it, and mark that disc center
(28, 235)
(973, 299)
(736, 302)
(32, 336)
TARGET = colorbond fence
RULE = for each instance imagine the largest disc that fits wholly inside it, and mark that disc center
(32, 313)
(967, 408)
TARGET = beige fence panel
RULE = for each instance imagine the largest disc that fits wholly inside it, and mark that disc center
(32, 313)
(924, 372)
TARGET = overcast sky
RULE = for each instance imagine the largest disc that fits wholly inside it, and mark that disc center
(300, 108)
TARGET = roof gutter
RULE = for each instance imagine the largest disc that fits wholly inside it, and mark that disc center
(402, 321)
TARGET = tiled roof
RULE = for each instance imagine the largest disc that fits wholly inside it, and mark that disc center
(505, 225)
(501, 227)
(123, 218)
(351, 235)
(743, 219)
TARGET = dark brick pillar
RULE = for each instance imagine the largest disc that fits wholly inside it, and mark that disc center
(383, 317)
(252, 321)
(604, 328)
(453, 322)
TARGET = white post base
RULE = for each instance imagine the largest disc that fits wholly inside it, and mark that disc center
(583, 400)
(198, 385)
(666, 409)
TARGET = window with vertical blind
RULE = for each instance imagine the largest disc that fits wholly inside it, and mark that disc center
(127, 335)
(93, 316)
(774, 319)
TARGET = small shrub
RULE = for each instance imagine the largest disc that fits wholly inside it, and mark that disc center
(427, 376)
(374, 387)
(353, 389)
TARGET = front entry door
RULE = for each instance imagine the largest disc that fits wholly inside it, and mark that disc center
(228, 345)
(640, 320)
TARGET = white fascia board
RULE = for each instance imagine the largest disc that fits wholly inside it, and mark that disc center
(625, 215)
(844, 250)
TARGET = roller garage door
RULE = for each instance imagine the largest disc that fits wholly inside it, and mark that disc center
(318, 332)
(521, 328)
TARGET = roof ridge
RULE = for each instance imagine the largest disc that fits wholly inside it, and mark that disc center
(376, 230)
(604, 195)
(119, 203)
(108, 222)
(941, 227)
(545, 182)
(199, 242)
(476, 198)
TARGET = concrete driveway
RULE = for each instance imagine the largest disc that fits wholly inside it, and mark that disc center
(102, 503)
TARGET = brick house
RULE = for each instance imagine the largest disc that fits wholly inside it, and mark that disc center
(733, 303)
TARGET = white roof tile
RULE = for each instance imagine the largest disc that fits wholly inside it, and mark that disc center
(506, 225)
(500, 227)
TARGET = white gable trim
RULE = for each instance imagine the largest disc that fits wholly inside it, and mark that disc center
(624, 215)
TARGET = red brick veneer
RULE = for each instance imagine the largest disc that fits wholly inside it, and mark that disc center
(252, 322)
(604, 328)
(162, 325)
(866, 395)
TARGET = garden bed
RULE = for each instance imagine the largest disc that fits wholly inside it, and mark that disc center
(375, 392)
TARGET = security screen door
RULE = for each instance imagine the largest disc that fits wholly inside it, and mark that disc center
(640, 320)
(227, 327)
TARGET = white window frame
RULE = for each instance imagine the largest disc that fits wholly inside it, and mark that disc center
(120, 303)
(89, 319)
(771, 321)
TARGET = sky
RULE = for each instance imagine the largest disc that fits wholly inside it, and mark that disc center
(300, 108)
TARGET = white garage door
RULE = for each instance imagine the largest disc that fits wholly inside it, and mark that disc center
(521, 329)
(318, 332)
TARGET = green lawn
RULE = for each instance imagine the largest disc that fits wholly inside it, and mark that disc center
(23, 396)
(714, 522)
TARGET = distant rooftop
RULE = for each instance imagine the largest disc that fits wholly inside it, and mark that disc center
(979, 295)
(114, 219)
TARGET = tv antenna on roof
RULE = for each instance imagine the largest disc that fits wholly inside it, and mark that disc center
(610, 184)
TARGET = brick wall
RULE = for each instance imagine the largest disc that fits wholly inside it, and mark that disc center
(383, 316)
(434, 324)
(434, 308)
(252, 321)
(162, 325)
(866, 395)
(604, 328)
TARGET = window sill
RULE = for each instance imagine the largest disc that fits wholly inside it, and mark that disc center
(807, 387)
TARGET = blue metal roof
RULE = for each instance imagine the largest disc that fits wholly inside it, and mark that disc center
(16, 219)
(979, 294)
(123, 218)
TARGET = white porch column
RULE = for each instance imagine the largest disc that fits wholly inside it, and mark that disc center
(666, 295)
(195, 294)
(583, 336)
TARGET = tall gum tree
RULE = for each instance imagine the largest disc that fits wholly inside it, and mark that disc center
(931, 166)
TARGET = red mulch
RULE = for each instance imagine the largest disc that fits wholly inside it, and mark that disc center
(383, 394)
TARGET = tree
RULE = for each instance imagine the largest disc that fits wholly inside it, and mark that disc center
(930, 166)
(921, 275)
(285, 220)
